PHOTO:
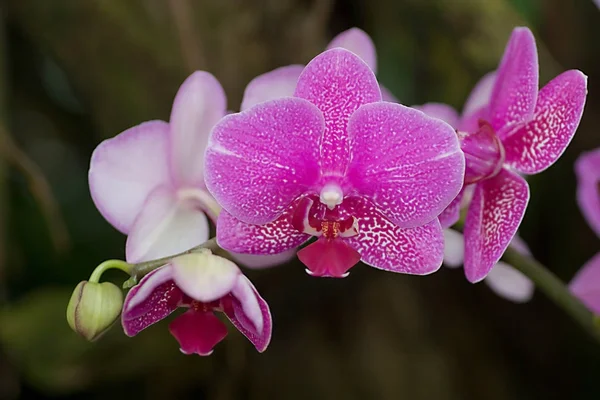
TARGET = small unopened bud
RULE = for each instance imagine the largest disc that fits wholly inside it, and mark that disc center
(93, 308)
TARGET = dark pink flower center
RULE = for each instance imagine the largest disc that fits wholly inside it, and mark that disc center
(484, 153)
(330, 255)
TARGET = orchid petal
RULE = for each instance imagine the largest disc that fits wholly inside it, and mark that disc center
(250, 314)
(383, 245)
(451, 214)
(494, 215)
(480, 95)
(585, 285)
(360, 43)
(204, 276)
(454, 248)
(338, 82)
(280, 82)
(273, 238)
(440, 111)
(198, 332)
(259, 261)
(151, 300)
(509, 283)
(165, 227)
(125, 169)
(260, 160)
(199, 104)
(515, 90)
(587, 168)
(537, 145)
(410, 165)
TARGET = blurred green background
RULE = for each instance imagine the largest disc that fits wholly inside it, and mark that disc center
(74, 72)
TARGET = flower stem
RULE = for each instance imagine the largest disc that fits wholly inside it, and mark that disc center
(109, 264)
(555, 289)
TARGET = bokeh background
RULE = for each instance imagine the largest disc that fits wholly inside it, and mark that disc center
(74, 72)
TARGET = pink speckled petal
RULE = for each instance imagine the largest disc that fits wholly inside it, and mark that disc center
(204, 276)
(260, 160)
(383, 245)
(197, 332)
(250, 314)
(587, 169)
(272, 238)
(451, 214)
(165, 227)
(410, 165)
(199, 104)
(480, 95)
(359, 42)
(125, 169)
(585, 285)
(253, 261)
(516, 87)
(509, 283)
(494, 215)
(280, 82)
(151, 300)
(454, 248)
(440, 111)
(536, 146)
(338, 82)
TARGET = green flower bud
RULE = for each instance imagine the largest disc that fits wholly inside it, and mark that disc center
(93, 308)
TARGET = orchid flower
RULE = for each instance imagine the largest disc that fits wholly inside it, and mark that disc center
(586, 283)
(367, 178)
(503, 278)
(148, 181)
(203, 283)
(281, 82)
(509, 127)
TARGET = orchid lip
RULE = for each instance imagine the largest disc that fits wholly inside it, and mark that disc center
(309, 272)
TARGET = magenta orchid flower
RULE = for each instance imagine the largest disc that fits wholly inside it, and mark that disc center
(509, 127)
(148, 181)
(281, 82)
(503, 278)
(367, 178)
(586, 283)
(203, 283)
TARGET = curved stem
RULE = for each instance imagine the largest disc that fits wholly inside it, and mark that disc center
(555, 289)
(110, 264)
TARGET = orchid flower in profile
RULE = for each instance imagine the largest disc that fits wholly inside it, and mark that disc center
(203, 283)
(586, 283)
(281, 82)
(509, 127)
(148, 181)
(366, 178)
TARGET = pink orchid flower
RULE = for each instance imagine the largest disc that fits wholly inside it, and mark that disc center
(148, 181)
(508, 127)
(203, 283)
(586, 283)
(503, 278)
(367, 178)
(281, 82)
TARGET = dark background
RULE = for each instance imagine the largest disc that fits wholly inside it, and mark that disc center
(75, 72)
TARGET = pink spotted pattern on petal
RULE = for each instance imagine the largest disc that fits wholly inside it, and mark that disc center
(260, 160)
(338, 82)
(451, 214)
(494, 215)
(272, 238)
(515, 91)
(587, 169)
(536, 146)
(383, 245)
(359, 42)
(410, 165)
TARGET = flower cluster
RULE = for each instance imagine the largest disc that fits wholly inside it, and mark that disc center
(324, 161)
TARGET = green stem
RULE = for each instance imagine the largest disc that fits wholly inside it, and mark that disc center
(555, 289)
(110, 264)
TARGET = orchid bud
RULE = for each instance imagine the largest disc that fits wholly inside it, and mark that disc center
(93, 308)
